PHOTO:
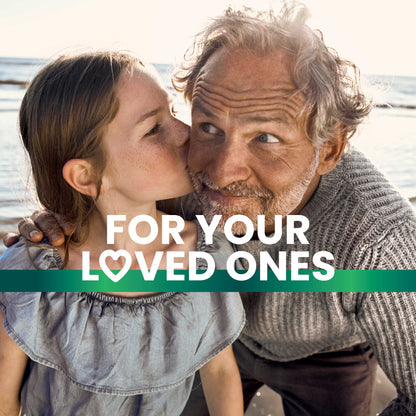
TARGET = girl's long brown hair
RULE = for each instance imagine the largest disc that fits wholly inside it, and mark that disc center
(63, 116)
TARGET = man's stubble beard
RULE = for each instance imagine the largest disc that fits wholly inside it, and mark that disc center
(261, 200)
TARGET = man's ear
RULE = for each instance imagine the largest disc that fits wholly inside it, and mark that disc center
(79, 174)
(331, 153)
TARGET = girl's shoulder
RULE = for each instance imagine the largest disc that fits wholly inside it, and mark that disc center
(102, 343)
(24, 255)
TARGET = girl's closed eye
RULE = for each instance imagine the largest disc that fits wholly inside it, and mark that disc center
(154, 130)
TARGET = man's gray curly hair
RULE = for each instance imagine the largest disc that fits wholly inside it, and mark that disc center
(334, 101)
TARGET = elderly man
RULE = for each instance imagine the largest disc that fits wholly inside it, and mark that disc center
(272, 111)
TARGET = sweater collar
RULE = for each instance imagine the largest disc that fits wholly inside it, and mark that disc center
(326, 191)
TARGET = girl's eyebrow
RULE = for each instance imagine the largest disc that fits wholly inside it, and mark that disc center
(152, 113)
(147, 115)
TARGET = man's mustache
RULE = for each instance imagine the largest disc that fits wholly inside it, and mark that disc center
(238, 188)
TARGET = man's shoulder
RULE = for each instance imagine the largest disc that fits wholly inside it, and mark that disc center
(365, 191)
(361, 218)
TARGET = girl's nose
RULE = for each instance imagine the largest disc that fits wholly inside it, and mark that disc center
(180, 133)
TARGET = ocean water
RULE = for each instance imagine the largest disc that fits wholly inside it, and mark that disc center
(388, 138)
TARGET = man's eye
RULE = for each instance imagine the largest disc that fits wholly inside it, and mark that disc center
(210, 129)
(268, 138)
(153, 131)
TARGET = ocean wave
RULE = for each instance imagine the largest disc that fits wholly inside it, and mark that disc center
(8, 110)
(13, 99)
(390, 105)
(14, 82)
(9, 224)
(21, 61)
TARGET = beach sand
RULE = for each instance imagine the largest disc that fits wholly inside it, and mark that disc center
(268, 403)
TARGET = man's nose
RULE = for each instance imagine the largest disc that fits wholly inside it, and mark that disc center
(229, 164)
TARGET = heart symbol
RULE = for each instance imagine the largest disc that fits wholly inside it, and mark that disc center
(115, 255)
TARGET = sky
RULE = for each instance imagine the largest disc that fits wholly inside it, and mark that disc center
(378, 35)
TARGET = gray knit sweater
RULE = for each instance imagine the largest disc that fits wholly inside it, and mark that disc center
(361, 219)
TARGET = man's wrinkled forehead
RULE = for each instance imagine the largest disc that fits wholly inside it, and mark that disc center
(237, 67)
(243, 81)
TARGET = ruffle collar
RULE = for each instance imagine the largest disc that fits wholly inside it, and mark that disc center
(107, 344)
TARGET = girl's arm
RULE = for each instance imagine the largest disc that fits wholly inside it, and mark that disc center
(222, 385)
(12, 369)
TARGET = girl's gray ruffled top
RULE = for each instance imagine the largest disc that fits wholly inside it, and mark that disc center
(95, 354)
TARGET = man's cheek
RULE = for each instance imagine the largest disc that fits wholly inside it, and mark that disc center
(195, 157)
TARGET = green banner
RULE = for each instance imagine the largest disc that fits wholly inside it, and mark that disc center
(220, 281)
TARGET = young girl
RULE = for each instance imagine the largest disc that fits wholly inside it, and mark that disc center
(102, 138)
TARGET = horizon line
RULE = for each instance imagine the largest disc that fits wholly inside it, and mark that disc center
(400, 74)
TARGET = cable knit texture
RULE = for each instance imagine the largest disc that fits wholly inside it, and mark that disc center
(363, 221)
